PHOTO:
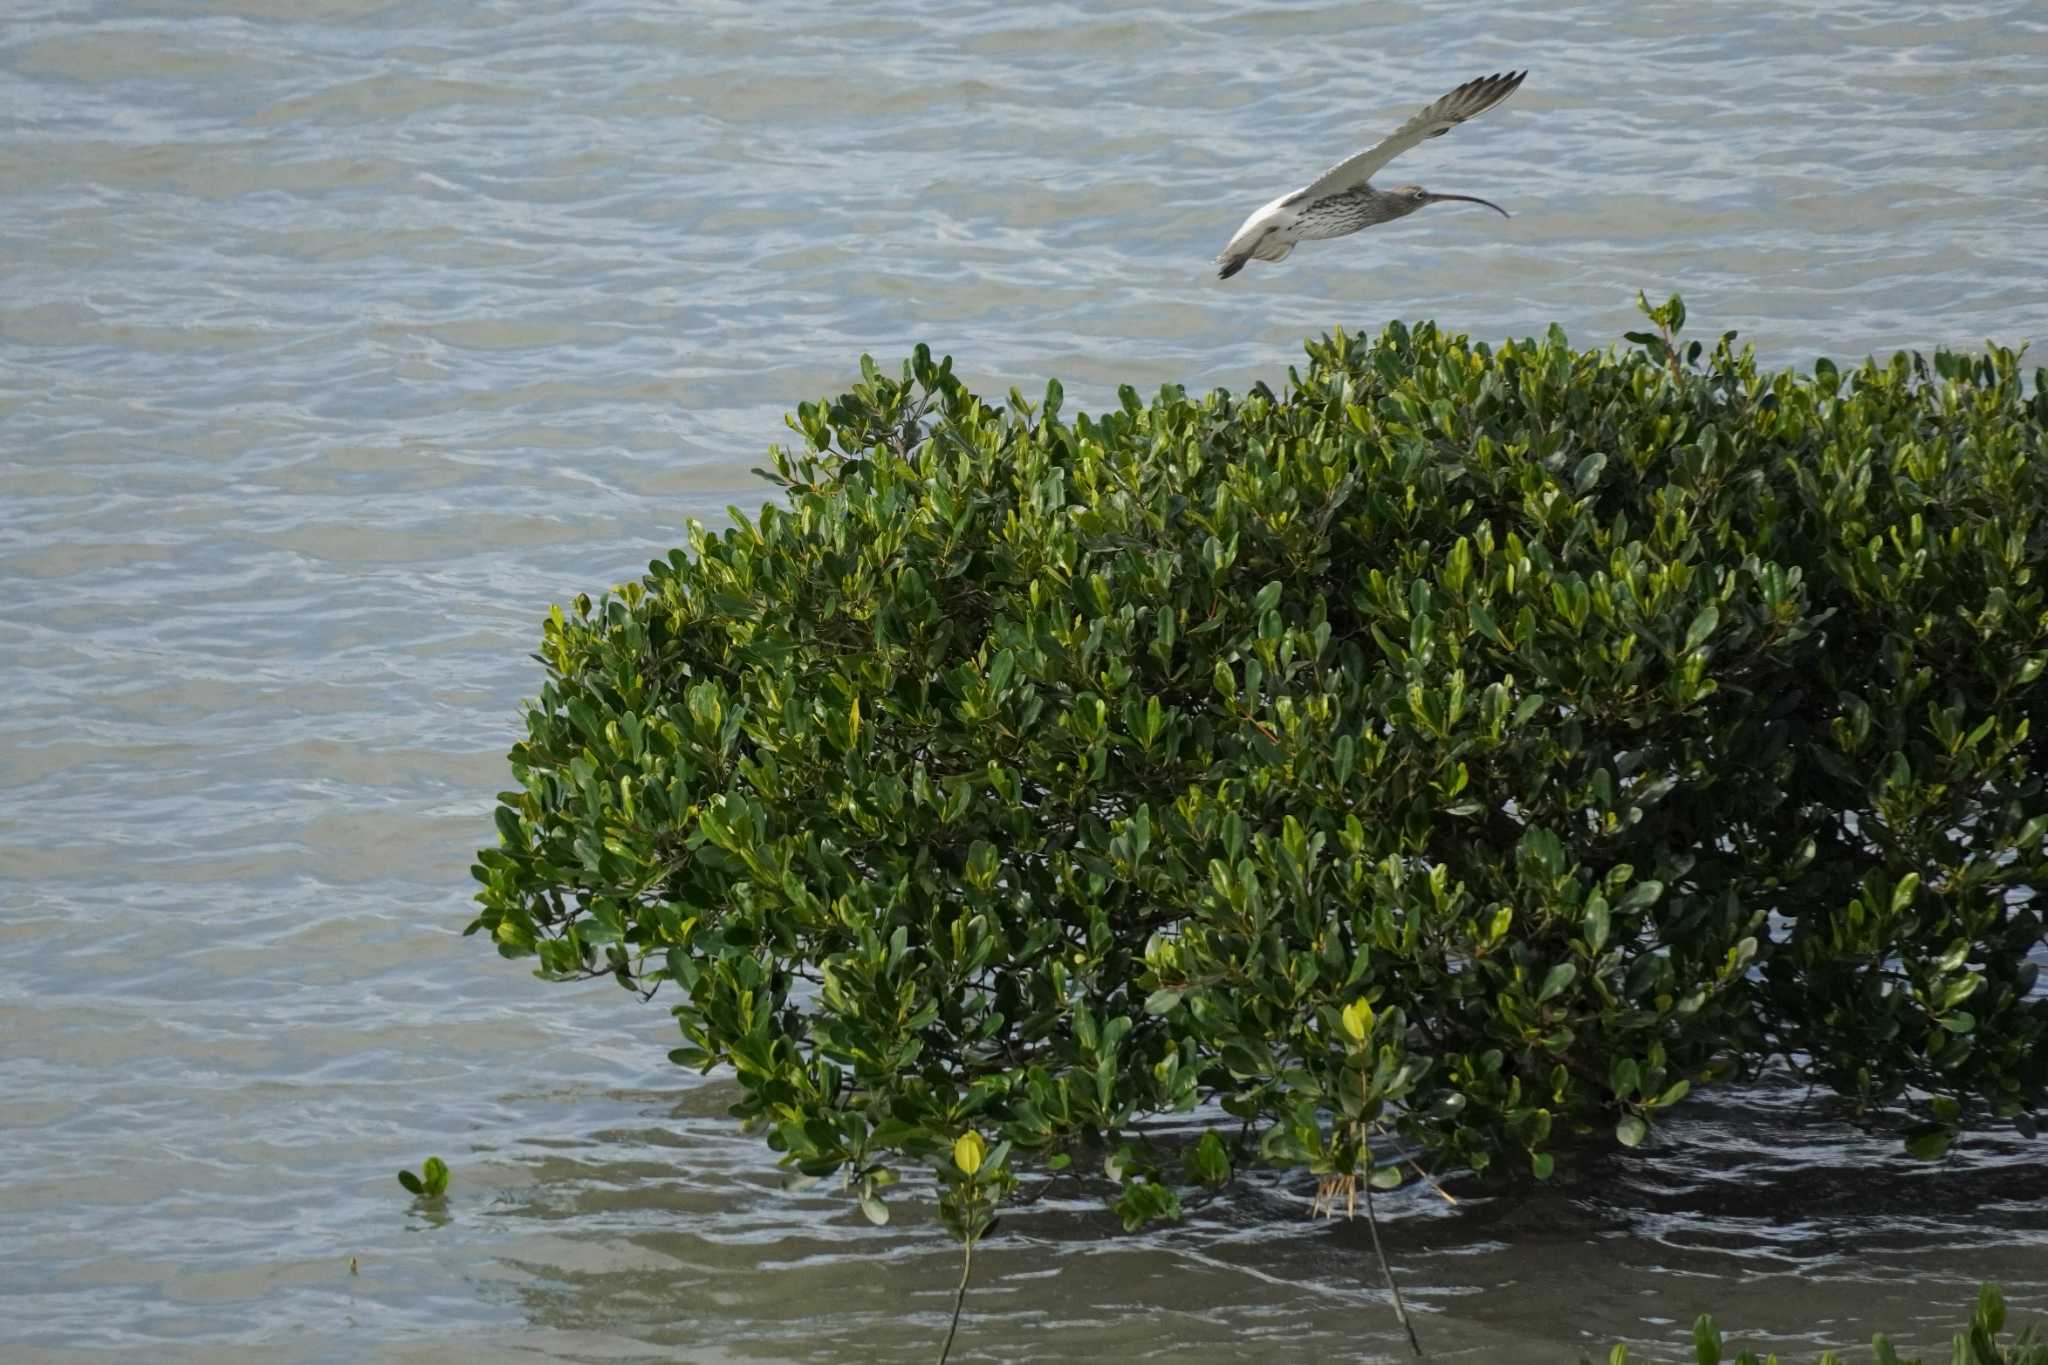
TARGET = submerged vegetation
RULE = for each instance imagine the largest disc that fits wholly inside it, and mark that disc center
(430, 1183)
(1468, 751)
(1978, 1344)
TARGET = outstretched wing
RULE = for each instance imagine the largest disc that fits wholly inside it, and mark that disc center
(1473, 97)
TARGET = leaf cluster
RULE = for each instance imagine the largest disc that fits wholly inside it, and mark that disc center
(430, 1183)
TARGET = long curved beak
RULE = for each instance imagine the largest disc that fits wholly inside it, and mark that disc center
(1469, 199)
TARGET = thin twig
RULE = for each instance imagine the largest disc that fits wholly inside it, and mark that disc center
(1400, 1311)
(960, 1297)
(1448, 1197)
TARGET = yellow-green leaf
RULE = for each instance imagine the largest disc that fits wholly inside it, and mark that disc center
(969, 1151)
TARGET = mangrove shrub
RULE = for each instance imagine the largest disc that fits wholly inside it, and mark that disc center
(1465, 749)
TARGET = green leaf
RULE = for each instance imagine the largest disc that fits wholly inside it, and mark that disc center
(1702, 626)
(1162, 1001)
(1208, 1161)
(1990, 1314)
(411, 1182)
(434, 1176)
(1989, 1308)
(1596, 923)
(1483, 622)
(1555, 980)
(1930, 1144)
(874, 1209)
(1541, 1164)
(1244, 1061)
(1640, 896)
(1706, 1341)
(1631, 1130)
(1588, 473)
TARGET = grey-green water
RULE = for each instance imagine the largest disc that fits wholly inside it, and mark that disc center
(339, 337)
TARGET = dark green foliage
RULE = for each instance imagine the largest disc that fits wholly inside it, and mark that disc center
(1466, 748)
(1977, 1345)
(430, 1183)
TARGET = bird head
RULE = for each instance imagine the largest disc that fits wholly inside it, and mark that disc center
(1413, 197)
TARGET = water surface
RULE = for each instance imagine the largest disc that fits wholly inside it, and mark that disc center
(339, 337)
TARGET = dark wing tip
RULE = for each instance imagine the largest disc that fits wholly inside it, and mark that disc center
(1231, 267)
(1496, 87)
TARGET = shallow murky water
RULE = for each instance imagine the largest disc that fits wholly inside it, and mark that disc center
(339, 337)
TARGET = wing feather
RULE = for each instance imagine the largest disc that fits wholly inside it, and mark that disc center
(1471, 98)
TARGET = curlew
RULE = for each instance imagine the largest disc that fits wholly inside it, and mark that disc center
(1342, 200)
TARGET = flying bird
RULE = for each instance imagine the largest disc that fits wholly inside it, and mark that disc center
(1341, 200)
